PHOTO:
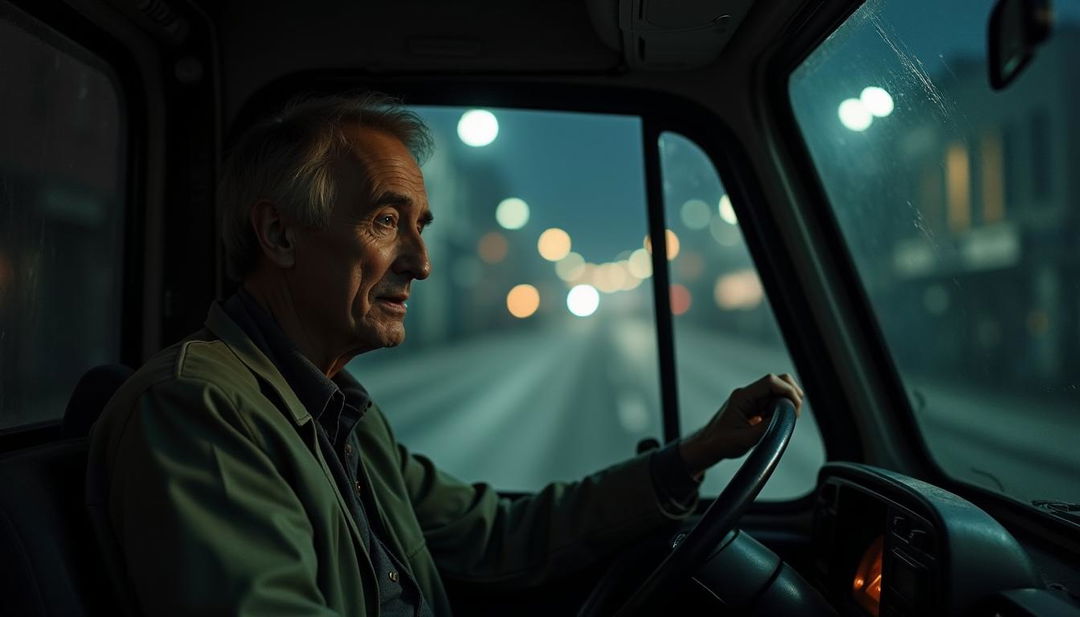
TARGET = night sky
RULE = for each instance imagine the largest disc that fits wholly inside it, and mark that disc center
(579, 172)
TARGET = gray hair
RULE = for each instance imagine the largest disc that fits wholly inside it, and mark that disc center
(289, 159)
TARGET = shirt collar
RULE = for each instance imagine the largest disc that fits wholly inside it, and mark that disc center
(321, 396)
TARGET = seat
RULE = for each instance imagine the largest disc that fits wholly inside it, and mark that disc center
(93, 391)
(51, 563)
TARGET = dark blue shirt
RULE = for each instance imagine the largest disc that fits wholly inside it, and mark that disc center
(337, 405)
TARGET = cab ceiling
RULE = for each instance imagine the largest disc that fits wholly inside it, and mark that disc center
(261, 41)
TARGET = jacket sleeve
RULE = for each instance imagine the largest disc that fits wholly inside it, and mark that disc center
(475, 535)
(207, 524)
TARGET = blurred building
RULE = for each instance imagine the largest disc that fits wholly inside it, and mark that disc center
(982, 248)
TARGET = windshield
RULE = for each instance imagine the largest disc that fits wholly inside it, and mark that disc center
(535, 338)
(532, 367)
(958, 206)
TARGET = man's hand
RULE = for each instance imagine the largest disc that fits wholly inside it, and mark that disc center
(738, 425)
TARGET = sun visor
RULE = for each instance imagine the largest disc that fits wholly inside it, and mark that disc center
(666, 35)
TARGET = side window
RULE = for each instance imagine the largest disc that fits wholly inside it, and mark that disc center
(530, 352)
(725, 334)
(61, 219)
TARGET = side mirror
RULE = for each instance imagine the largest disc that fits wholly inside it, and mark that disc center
(1017, 28)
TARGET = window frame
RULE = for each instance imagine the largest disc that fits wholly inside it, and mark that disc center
(659, 113)
(59, 26)
(807, 32)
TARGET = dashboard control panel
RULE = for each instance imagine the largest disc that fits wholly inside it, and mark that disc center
(887, 545)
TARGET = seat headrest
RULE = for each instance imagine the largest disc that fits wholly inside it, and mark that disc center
(93, 391)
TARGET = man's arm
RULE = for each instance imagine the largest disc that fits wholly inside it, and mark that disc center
(475, 535)
(201, 513)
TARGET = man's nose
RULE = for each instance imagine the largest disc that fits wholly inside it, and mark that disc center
(413, 258)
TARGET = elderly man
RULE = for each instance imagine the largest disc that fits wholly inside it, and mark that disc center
(243, 472)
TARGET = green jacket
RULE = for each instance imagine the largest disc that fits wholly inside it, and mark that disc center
(210, 496)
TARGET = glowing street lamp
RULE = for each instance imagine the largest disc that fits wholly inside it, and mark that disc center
(873, 102)
(477, 127)
(553, 244)
(727, 211)
(855, 116)
(512, 213)
(877, 101)
(583, 300)
(522, 301)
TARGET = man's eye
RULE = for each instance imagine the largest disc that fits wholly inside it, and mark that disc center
(387, 220)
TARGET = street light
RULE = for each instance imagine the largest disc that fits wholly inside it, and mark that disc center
(877, 101)
(873, 102)
(477, 127)
(583, 300)
(512, 213)
(855, 116)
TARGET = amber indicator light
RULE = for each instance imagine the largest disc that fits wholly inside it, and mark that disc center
(867, 584)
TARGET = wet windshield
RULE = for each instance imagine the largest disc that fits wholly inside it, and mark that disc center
(958, 204)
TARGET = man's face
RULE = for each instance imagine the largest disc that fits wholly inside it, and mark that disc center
(354, 277)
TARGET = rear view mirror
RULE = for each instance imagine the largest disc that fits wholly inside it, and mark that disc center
(1017, 27)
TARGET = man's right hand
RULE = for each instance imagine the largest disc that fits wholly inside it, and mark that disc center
(739, 424)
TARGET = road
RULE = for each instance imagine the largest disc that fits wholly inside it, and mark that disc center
(519, 411)
(523, 409)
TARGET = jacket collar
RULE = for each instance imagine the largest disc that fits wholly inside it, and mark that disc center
(223, 326)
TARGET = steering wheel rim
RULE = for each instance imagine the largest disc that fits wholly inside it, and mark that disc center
(719, 519)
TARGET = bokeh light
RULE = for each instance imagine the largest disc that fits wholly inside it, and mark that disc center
(512, 213)
(632, 282)
(478, 127)
(672, 241)
(571, 267)
(583, 300)
(877, 101)
(680, 299)
(492, 247)
(695, 214)
(738, 290)
(854, 115)
(587, 275)
(727, 211)
(640, 264)
(554, 244)
(611, 277)
(522, 301)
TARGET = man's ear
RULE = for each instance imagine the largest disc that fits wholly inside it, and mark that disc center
(274, 233)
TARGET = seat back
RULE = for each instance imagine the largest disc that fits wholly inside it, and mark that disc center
(93, 391)
(50, 566)
(51, 563)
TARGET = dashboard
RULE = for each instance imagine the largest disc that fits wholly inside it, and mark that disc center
(886, 545)
(883, 545)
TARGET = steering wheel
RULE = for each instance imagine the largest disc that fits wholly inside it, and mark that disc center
(715, 524)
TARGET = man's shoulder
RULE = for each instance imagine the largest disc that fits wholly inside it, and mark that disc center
(201, 358)
(201, 362)
(210, 360)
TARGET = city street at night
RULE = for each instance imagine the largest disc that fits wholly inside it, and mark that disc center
(518, 411)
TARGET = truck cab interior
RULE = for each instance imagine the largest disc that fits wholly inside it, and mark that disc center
(640, 206)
